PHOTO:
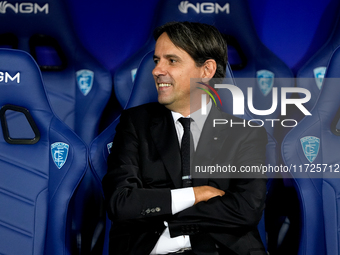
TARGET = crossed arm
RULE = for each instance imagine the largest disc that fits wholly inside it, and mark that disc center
(204, 193)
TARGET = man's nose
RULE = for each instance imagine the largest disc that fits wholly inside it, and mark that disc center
(159, 69)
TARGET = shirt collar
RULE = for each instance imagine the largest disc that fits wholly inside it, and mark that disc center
(196, 116)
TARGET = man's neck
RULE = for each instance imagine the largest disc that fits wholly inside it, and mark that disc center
(191, 108)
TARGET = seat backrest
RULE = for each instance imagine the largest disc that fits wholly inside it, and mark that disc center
(78, 86)
(311, 74)
(311, 150)
(144, 91)
(300, 150)
(248, 56)
(40, 168)
(328, 109)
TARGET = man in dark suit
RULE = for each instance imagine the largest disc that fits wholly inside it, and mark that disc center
(151, 211)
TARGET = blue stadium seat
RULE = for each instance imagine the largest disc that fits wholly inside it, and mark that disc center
(248, 56)
(78, 86)
(40, 167)
(144, 91)
(314, 142)
(327, 108)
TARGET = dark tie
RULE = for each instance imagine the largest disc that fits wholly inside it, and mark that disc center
(200, 243)
(187, 149)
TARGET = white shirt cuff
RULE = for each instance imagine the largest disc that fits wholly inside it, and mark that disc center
(166, 244)
(182, 199)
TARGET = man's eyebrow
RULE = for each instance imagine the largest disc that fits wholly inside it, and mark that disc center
(171, 56)
(167, 56)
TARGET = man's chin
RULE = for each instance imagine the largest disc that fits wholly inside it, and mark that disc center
(166, 104)
(164, 101)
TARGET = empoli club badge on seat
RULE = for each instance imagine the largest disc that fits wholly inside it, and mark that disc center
(265, 80)
(319, 74)
(133, 74)
(109, 146)
(59, 152)
(85, 80)
(310, 146)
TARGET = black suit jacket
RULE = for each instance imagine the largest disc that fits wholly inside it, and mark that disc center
(144, 165)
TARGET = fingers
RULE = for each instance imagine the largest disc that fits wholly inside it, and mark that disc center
(204, 193)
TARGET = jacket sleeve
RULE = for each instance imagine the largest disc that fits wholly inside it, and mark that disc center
(240, 209)
(125, 195)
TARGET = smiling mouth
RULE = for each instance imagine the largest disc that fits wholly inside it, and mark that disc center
(164, 85)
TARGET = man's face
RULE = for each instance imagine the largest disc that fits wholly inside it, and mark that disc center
(172, 73)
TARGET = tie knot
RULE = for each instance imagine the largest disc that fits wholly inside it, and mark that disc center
(185, 122)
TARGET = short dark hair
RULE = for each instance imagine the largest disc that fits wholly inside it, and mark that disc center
(200, 41)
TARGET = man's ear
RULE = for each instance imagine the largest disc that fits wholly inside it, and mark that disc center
(209, 69)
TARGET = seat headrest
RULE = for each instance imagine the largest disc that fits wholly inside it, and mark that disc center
(247, 54)
(328, 101)
(77, 85)
(44, 17)
(311, 75)
(231, 17)
(20, 77)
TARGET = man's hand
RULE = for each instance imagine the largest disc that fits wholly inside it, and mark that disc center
(204, 193)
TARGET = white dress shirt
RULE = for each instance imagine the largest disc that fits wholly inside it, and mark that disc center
(183, 198)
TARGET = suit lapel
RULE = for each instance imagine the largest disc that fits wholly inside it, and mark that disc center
(210, 143)
(164, 135)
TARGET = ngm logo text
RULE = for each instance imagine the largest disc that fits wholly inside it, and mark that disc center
(205, 7)
(23, 8)
(6, 77)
